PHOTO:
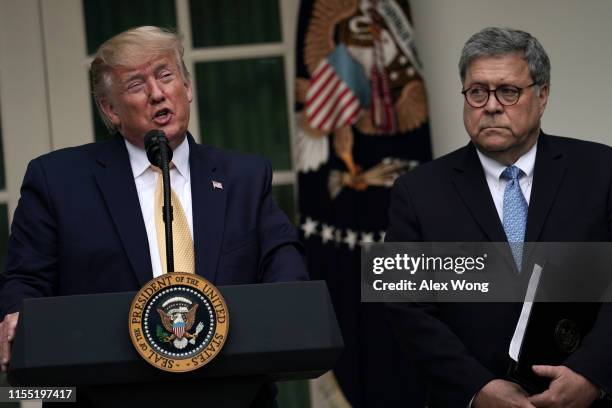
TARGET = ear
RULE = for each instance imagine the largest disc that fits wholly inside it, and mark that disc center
(109, 111)
(189, 90)
(543, 98)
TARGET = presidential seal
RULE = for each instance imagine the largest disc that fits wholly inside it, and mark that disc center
(178, 322)
(567, 336)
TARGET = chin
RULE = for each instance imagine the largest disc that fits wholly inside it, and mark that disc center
(175, 138)
(495, 148)
(495, 142)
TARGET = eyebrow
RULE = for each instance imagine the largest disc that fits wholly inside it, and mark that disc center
(158, 68)
(479, 83)
(140, 75)
(488, 86)
(132, 77)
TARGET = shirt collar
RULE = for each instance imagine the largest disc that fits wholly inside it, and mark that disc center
(140, 163)
(138, 159)
(494, 169)
(180, 158)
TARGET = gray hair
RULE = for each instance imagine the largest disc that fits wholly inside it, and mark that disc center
(129, 48)
(496, 41)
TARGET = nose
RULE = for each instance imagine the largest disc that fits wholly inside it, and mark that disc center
(493, 106)
(156, 94)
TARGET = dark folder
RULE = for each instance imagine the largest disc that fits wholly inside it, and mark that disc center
(554, 330)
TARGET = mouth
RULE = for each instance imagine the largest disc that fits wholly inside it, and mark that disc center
(493, 129)
(162, 117)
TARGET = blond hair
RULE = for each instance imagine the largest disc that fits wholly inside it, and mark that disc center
(129, 48)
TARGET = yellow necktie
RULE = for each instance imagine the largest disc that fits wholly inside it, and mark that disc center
(184, 259)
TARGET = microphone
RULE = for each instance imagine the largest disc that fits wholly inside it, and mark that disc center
(159, 154)
(155, 141)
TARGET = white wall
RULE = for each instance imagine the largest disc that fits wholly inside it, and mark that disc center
(23, 93)
(576, 34)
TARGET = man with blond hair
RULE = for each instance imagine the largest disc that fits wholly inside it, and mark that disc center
(85, 222)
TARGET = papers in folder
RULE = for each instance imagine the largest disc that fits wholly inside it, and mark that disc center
(519, 331)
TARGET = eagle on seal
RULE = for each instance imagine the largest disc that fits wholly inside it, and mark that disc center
(179, 322)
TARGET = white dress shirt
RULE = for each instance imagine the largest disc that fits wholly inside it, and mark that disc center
(146, 181)
(497, 185)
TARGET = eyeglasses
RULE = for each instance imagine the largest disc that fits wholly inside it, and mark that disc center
(477, 96)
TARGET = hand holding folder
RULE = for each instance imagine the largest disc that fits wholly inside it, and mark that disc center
(547, 332)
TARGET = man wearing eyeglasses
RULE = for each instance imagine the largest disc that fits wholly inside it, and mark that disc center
(511, 183)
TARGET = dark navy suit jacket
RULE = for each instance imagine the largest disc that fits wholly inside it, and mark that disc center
(78, 227)
(462, 346)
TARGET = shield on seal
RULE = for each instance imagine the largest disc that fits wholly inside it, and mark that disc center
(179, 329)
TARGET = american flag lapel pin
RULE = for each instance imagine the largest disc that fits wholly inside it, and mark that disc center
(217, 185)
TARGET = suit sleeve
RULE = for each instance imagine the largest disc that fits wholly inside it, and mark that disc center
(593, 359)
(31, 267)
(422, 333)
(281, 258)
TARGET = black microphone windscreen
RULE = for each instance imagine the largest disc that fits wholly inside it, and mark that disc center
(153, 141)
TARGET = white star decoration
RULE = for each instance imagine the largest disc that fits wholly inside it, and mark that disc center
(328, 233)
(309, 227)
(351, 238)
(366, 237)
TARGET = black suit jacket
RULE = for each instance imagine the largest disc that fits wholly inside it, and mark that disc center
(78, 227)
(464, 346)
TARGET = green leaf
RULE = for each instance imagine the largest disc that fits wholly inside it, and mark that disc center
(161, 334)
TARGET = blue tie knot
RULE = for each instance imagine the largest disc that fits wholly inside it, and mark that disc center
(511, 173)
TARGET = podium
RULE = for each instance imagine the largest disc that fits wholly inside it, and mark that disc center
(277, 332)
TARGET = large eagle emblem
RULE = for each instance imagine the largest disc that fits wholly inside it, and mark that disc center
(379, 42)
(179, 321)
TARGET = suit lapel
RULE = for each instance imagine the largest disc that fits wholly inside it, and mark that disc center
(208, 205)
(116, 182)
(548, 174)
(471, 185)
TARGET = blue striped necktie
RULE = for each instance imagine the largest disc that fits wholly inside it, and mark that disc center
(515, 213)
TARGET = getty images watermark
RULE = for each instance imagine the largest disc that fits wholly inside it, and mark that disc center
(485, 272)
(421, 263)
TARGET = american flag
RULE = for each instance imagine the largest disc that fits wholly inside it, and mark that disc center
(337, 92)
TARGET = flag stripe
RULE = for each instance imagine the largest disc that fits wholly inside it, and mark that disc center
(314, 106)
(315, 86)
(349, 114)
(331, 106)
(318, 89)
(338, 109)
(321, 68)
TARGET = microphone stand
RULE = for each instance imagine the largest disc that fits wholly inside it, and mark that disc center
(167, 208)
